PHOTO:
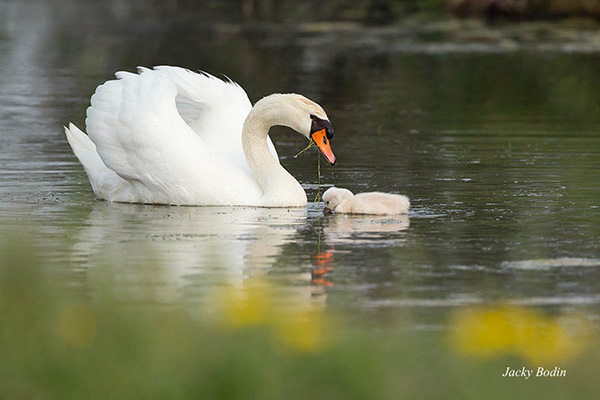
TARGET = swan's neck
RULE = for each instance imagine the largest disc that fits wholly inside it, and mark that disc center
(279, 187)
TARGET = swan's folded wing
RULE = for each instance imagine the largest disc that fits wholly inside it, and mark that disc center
(140, 135)
(214, 109)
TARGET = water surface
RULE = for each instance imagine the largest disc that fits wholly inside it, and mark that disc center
(497, 147)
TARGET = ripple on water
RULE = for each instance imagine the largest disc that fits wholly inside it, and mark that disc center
(550, 263)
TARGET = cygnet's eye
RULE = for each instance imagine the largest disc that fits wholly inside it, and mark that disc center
(327, 202)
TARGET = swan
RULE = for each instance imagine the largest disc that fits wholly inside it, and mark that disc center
(168, 135)
(345, 202)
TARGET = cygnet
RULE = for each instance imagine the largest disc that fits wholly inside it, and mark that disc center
(345, 202)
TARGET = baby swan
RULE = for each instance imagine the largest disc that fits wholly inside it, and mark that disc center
(345, 202)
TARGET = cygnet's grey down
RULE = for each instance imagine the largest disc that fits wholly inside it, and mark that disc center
(345, 202)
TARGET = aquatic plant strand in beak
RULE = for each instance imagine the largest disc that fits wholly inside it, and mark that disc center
(310, 145)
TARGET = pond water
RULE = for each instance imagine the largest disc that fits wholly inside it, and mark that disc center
(497, 146)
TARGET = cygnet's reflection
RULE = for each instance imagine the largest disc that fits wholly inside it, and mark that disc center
(343, 229)
(372, 230)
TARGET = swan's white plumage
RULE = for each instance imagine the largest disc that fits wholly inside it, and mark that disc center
(105, 183)
(214, 109)
(167, 136)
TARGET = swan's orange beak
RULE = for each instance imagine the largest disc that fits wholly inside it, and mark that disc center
(320, 139)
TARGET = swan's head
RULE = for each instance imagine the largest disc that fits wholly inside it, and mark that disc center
(333, 197)
(309, 119)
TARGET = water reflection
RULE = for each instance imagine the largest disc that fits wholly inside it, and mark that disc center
(203, 246)
(322, 266)
(193, 243)
(374, 230)
(499, 151)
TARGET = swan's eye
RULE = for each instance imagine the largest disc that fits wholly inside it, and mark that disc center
(327, 202)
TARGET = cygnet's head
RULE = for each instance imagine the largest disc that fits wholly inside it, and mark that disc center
(334, 196)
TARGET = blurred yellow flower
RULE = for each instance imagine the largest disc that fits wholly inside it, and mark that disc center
(505, 329)
(302, 329)
(258, 303)
(77, 326)
(247, 306)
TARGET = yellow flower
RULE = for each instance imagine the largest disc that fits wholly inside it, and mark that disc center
(552, 339)
(260, 304)
(484, 332)
(302, 330)
(77, 326)
(247, 306)
(504, 329)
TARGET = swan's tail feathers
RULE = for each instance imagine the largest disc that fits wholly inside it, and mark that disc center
(85, 150)
(106, 184)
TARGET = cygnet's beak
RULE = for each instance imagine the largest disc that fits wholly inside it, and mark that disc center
(327, 211)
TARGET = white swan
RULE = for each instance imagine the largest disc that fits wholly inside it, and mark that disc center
(172, 136)
(345, 202)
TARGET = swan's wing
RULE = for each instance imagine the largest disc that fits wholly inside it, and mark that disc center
(214, 109)
(140, 135)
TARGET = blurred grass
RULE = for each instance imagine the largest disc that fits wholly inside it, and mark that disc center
(55, 344)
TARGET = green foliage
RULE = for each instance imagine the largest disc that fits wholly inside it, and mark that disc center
(57, 345)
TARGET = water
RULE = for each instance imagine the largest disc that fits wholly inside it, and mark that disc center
(497, 146)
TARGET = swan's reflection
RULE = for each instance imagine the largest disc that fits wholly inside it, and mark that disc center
(196, 246)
